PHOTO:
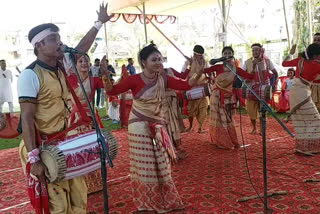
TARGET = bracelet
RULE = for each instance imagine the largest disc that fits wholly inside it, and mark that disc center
(33, 156)
(289, 55)
(97, 25)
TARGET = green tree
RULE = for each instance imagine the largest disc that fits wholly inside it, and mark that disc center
(301, 31)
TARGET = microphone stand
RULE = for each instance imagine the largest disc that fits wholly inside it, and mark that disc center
(104, 150)
(264, 109)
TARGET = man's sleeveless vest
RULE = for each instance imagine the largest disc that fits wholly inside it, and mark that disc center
(51, 114)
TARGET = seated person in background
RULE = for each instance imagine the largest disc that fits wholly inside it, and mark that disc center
(289, 80)
(114, 107)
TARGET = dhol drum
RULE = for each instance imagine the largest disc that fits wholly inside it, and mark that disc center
(197, 92)
(76, 156)
(263, 91)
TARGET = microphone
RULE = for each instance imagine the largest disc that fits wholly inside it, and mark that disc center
(221, 59)
(67, 49)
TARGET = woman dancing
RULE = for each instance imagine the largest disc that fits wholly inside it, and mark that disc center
(303, 111)
(150, 145)
(222, 131)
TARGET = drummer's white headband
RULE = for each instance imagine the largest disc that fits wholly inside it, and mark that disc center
(197, 54)
(41, 35)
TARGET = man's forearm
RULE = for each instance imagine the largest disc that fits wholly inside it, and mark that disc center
(287, 58)
(86, 42)
(28, 132)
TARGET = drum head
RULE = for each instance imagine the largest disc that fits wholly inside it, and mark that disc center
(268, 92)
(112, 143)
(54, 160)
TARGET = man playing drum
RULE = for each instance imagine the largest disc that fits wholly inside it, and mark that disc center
(197, 107)
(261, 66)
(43, 92)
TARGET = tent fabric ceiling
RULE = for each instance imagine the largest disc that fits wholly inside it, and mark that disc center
(160, 7)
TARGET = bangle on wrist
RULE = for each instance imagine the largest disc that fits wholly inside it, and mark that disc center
(289, 55)
(33, 159)
(97, 25)
(33, 156)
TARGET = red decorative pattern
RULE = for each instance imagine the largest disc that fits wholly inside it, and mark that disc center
(82, 157)
(308, 145)
(131, 18)
(224, 137)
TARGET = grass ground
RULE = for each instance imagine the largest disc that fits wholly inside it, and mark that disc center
(12, 143)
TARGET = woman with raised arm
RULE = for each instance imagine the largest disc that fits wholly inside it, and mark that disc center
(151, 147)
(222, 103)
(303, 111)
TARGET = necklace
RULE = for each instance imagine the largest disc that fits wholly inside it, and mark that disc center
(149, 77)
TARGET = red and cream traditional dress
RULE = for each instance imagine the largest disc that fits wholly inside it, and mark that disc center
(150, 146)
(315, 86)
(222, 130)
(305, 116)
(175, 118)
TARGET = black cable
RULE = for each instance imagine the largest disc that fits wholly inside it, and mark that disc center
(245, 156)
(244, 148)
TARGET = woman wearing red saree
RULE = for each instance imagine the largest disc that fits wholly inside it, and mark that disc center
(151, 148)
(222, 131)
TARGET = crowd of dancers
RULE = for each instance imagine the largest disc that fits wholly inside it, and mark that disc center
(54, 108)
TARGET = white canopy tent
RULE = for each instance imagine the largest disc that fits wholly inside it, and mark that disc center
(162, 7)
(166, 7)
(176, 8)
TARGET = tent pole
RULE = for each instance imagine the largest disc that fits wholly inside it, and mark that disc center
(106, 38)
(150, 21)
(224, 20)
(145, 22)
(310, 20)
(285, 18)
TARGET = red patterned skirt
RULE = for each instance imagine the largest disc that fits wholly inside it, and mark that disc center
(222, 131)
(152, 185)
